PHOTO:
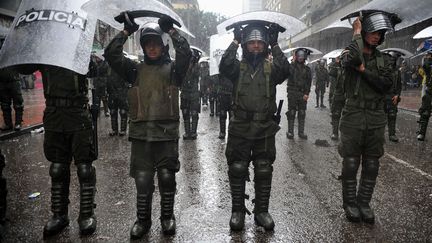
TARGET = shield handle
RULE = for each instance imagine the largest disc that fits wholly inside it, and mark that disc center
(246, 22)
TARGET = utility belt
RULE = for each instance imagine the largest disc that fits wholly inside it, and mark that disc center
(64, 102)
(252, 116)
(363, 104)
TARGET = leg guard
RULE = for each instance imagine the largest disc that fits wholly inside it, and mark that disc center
(349, 187)
(144, 181)
(194, 124)
(123, 122)
(392, 127)
(19, 110)
(60, 178)
(87, 178)
(222, 124)
(212, 106)
(187, 124)
(301, 124)
(3, 191)
(114, 122)
(370, 167)
(237, 174)
(335, 126)
(263, 177)
(291, 117)
(423, 123)
(167, 189)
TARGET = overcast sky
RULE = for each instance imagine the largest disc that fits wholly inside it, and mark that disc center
(228, 8)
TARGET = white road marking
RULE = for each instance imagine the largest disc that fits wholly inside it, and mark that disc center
(408, 165)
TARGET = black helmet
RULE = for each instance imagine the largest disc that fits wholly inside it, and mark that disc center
(301, 54)
(382, 22)
(255, 32)
(153, 31)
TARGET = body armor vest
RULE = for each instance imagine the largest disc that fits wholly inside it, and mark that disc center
(154, 96)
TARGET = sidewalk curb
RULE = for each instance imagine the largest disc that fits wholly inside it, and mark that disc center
(25, 130)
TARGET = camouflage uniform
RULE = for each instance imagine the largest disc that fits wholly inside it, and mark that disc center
(389, 107)
(204, 82)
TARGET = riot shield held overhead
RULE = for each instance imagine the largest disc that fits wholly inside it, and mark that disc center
(106, 10)
(218, 45)
(50, 32)
(289, 23)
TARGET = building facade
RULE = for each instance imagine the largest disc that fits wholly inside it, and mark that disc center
(252, 5)
(184, 4)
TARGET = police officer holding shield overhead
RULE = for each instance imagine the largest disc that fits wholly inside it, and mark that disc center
(252, 130)
(154, 115)
(368, 76)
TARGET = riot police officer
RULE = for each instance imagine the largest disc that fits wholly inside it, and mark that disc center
(367, 78)
(190, 97)
(392, 98)
(337, 98)
(204, 82)
(251, 132)
(224, 99)
(117, 90)
(99, 73)
(322, 80)
(212, 87)
(10, 92)
(298, 89)
(154, 115)
(426, 105)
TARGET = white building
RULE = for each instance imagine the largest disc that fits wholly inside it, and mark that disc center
(252, 5)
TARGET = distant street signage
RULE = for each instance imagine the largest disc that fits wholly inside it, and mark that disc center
(72, 19)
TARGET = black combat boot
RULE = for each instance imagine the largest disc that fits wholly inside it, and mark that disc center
(212, 107)
(369, 173)
(392, 129)
(322, 102)
(193, 134)
(187, 124)
(222, 124)
(114, 123)
(349, 188)
(60, 178)
(263, 177)
(7, 117)
(237, 178)
(421, 133)
(301, 125)
(290, 133)
(87, 178)
(123, 124)
(335, 126)
(167, 189)
(19, 110)
(145, 187)
(317, 101)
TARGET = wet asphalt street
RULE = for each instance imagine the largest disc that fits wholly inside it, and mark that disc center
(305, 203)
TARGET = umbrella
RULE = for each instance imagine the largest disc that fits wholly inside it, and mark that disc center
(405, 53)
(337, 25)
(425, 33)
(144, 10)
(333, 54)
(204, 59)
(313, 51)
(198, 49)
(289, 23)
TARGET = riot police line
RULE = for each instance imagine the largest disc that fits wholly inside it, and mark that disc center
(250, 84)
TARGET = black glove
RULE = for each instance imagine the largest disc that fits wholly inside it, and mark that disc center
(128, 21)
(237, 34)
(273, 34)
(166, 24)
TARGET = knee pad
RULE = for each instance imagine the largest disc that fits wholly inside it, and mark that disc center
(166, 179)
(144, 181)
(425, 114)
(238, 169)
(18, 107)
(194, 114)
(349, 167)
(59, 171)
(113, 112)
(6, 107)
(123, 112)
(86, 172)
(370, 167)
(302, 114)
(223, 115)
(263, 170)
(392, 115)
